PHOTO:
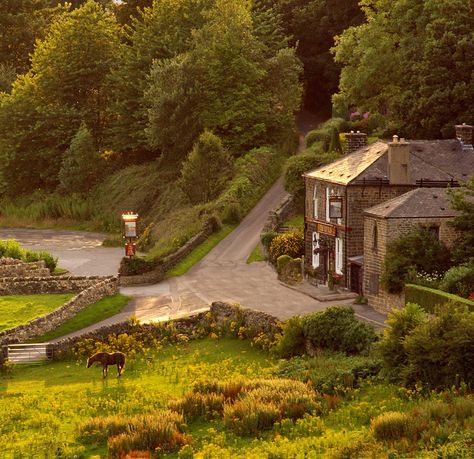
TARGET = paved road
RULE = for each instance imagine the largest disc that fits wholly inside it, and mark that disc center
(78, 251)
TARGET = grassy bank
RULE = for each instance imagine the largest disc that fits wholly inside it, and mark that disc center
(101, 310)
(19, 310)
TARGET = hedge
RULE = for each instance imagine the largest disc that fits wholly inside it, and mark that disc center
(429, 298)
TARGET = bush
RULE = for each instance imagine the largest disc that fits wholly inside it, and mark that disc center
(401, 323)
(11, 249)
(197, 405)
(136, 266)
(282, 261)
(291, 244)
(337, 329)
(430, 299)
(440, 352)
(459, 280)
(393, 425)
(267, 238)
(417, 251)
(232, 213)
(291, 342)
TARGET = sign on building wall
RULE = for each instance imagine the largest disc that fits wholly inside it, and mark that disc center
(324, 228)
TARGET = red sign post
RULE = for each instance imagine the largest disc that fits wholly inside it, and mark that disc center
(129, 231)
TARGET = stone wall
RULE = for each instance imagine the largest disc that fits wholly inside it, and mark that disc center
(277, 217)
(255, 322)
(167, 263)
(10, 267)
(49, 284)
(100, 288)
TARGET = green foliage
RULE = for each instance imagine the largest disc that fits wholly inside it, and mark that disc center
(401, 323)
(136, 266)
(335, 144)
(440, 352)
(291, 342)
(431, 299)
(11, 249)
(206, 169)
(282, 261)
(267, 238)
(393, 426)
(291, 244)
(67, 84)
(337, 329)
(81, 165)
(404, 79)
(459, 280)
(416, 251)
(461, 201)
(297, 165)
(19, 310)
(330, 372)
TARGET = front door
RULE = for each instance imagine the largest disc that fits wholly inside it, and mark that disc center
(356, 281)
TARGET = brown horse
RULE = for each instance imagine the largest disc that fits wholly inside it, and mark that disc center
(106, 359)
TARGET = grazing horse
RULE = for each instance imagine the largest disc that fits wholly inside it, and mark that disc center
(106, 359)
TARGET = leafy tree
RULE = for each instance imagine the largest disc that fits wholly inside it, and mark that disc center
(335, 144)
(227, 83)
(419, 250)
(21, 23)
(81, 164)
(312, 25)
(396, 64)
(67, 83)
(206, 169)
(156, 34)
(462, 200)
(127, 10)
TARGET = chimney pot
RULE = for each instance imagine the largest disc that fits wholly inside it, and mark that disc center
(395, 138)
(355, 141)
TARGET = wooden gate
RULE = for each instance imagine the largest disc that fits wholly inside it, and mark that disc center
(29, 353)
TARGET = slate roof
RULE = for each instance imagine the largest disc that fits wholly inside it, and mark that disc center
(418, 203)
(438, 160)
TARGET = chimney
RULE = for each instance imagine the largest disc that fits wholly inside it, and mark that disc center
(399, 162)
(464, 135)
(355, 141)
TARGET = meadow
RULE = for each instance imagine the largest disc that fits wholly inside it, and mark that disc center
(21, 309)
(64, 410)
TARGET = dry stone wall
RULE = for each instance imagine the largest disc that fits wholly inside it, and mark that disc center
(10, 267)
(93, 289)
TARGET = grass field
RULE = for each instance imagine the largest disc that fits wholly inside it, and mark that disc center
(102, 309)
(19, 310)
(41, 408)
(296, 221)
(256, 255)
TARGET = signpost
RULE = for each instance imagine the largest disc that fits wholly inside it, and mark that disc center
(129, 231)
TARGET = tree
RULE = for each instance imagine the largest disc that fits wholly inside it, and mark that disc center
(228, 83)
(419, 250)
(396, 64)
(312, 26)
(206, 169)
(81, 165)
(462, 200)
(67, 83)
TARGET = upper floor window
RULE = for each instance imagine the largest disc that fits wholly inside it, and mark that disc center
(375, 237)
(315, 201)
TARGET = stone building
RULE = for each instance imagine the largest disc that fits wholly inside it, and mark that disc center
(338, 193)
(390, 220)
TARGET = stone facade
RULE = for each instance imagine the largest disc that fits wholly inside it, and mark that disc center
(379, 233)
(97, 289)
(10, 267)
(349, 228)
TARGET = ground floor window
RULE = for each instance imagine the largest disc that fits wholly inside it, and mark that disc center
(338, 260)
(316, 260)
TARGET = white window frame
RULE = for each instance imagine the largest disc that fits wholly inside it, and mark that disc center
(315, 201)
(339, 256)
(316, 261)
(328, 219)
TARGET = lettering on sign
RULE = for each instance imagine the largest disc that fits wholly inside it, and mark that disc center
(324, 228)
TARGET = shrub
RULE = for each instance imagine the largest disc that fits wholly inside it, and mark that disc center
(291, 342)
(136, 266)
(417, 251)
(282, 261)
(267, 238)
(440, 352)
(291, 243)
(232, 213)
(431, 299)
(197, 405)
(401, 322)
(337, 329)
(393, 425)
(459, 280)
(11, 249)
